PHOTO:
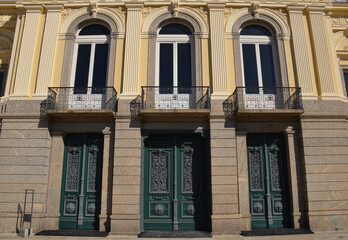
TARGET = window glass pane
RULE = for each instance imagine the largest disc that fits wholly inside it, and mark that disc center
(255, 30)
(166, 67)
(175, 28)
(2, 83)
(100, 66)
(82, 67)
(184, 67)
(95, 29)
(250, 68)
(267, 67)
(346, 80)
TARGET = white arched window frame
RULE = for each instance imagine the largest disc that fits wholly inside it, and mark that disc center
(92, 41)
(260, 72)
(87, 77)
(168, 92)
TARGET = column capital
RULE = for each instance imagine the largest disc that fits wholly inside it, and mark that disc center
(106, 131)
(53, 7)
(316, 9)
(33, 8)
(134, 6)
(290, 130)
(295, 9)
(216, 6)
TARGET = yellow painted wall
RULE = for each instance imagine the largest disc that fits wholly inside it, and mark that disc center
(144, 49)
(231, 76)
(119, 65)
(57, 68)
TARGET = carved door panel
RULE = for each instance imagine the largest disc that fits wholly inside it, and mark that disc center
(174, 187)
(268, 181)
(81, 182)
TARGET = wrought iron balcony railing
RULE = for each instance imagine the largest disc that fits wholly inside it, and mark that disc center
(174, 98)
(263, 98)
(81, 98)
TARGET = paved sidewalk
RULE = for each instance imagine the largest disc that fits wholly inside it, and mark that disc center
(316, 236)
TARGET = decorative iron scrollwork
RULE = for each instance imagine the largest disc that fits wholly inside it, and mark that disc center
(255, 169)
(159, 171)
(72, 171)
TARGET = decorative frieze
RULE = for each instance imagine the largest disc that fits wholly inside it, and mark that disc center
(203, 11)
(146, 11)
(122, 11)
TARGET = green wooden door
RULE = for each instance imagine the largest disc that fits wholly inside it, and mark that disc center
(268, 181)
(175, 183)
(81, 182)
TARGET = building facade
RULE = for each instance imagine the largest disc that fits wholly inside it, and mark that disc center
(221, 116)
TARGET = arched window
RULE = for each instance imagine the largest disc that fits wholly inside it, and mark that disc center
(174, 57)
(174, 66)
(90, 60)
(259, 64)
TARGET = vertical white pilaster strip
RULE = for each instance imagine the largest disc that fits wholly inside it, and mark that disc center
(302, 65)
(322, 51)
(48, 50)
(218, 51)
(132, 48)
(21, 87)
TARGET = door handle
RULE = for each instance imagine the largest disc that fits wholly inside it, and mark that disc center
(70, 196)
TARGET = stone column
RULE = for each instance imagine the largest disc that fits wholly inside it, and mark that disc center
(27, 51)
(322, 52)
(106, 191)
(48, 50)
(225, 217)
(132, 52)
(54, 181)
(218, 51)
(300, 45)
(243, 181)
(293, 176)
(125, 217)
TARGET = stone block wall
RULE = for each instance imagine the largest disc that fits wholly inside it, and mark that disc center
(24, 160)
(225, 208)
(125, 217)
(325, 143)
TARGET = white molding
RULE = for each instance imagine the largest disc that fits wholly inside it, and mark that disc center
(272, 14)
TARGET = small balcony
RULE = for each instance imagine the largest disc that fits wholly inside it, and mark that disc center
(172, 100)
(81, 100)
(250, 100)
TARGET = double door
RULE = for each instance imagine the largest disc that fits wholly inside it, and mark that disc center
(268, 181)
(175, 185)
(81, 182)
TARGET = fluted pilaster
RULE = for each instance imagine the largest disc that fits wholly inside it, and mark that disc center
(302, 65)
(218, 51)
(132, 45)
(322, 51)
(27, 50)
(48, 50)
